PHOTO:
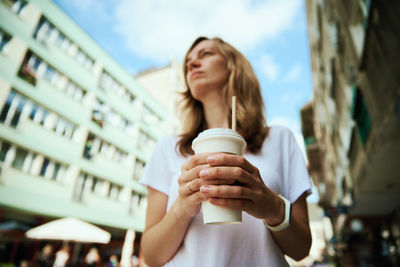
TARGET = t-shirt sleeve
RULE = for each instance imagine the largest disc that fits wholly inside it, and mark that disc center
(157, 173)
(296, 177)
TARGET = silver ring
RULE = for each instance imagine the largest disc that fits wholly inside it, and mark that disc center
(188, 188)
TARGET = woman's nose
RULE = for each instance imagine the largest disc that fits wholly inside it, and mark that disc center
(193, 63)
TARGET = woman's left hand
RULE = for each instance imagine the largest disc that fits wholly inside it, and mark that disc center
(250, 194)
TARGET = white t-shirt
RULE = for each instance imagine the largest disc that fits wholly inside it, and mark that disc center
(282, 168)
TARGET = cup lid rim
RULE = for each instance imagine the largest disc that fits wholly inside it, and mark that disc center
(218, 132)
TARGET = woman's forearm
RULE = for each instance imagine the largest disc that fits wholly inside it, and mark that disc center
(295, 241)
(170, 230)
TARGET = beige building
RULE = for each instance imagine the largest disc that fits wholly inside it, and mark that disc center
(352, 127)
(165, 84)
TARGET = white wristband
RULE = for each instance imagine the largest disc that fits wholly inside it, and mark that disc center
(286, 221)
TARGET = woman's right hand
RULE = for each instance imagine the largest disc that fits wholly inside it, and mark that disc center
(189, 181)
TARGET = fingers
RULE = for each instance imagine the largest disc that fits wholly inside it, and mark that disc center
(191, 168)
(197, 197)
(195, 184)
(228, 172)
(224, 159)
(233, 197)
(227, 191)
(199, 159)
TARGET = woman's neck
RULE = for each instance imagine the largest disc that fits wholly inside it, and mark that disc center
(215, 112)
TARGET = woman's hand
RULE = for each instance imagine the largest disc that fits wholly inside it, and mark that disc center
(249, 194)
(189, 181)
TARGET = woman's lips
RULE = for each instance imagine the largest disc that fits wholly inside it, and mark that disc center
(195, 74)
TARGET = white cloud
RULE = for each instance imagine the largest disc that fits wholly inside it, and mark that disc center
(293, 74)
(160, 30)
(268, 66)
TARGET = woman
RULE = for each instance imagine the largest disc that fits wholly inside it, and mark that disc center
(179, 181)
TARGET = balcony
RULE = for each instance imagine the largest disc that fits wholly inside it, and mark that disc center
(17, 179)
(60, 102)
(92, 200)
(47, 141)
(34, 193)
(101, 166)
(118, 136)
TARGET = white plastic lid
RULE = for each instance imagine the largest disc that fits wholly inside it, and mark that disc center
(218, 132)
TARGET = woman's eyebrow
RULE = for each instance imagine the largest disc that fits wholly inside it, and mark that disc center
(199, 52)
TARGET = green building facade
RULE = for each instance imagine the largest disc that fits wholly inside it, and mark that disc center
(75, 128)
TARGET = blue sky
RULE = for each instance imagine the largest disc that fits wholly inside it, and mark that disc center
(272, 34)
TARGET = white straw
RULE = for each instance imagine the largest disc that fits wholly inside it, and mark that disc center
(234, 113)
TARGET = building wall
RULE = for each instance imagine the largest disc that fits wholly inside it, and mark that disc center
(75, 128)
(356, 118)
(166, 85)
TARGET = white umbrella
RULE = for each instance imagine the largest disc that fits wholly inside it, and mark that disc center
(70, 229)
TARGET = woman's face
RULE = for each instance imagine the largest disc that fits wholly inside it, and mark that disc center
(206, 70)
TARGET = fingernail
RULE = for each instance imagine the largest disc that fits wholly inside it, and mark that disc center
(204, 189)
(203, 173)
(211, 159)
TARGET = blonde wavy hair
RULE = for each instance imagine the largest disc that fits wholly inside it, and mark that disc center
(243, 83)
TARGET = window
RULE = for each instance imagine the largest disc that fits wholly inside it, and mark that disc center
(12, 109)
(145, 142)
(139, 166)
(19, 158)
(57, 167)
(48, 33)
(42, 30)
(28, 162)
(108, 83)
(95, 145)
(6, 108)
(114, 191)
(366, 5)
(35, 113)
(4, 39)
(49, 74)
(44, 166)
(19, 108)
(34, 62)
(16, 6)
(30, 67)
(134, 203)
(361, 115)
(130, 128)
(18, 111)
(4, 148)
(98, 113)
(149, 116)
(78, 188)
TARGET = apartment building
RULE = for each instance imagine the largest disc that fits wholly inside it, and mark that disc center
(352, 127)
(76, 129)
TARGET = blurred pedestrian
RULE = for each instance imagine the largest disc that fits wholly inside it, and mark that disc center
(93, 257)
(62, 256)
(113, 261)
(270, 182)
(45, 257)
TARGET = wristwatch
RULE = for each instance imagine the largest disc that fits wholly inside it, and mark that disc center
(286, 221)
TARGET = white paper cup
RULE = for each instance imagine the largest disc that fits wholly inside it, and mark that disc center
(219, 140)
